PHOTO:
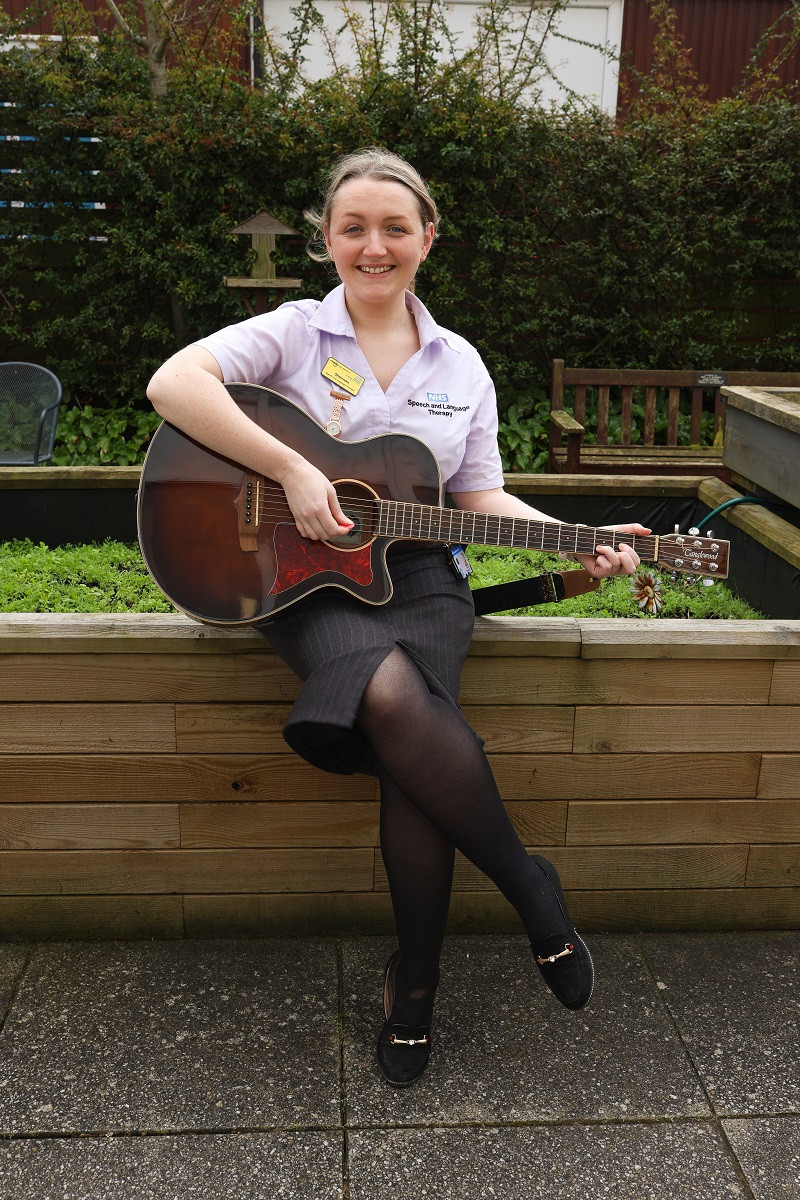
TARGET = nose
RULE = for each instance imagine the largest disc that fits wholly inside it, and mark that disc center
(374, 245)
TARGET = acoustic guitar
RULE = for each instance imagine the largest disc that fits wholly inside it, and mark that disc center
(222, 545)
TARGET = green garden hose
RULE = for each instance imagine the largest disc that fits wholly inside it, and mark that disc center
(739, 500)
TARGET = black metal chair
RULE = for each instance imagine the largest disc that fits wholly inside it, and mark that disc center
(30, 396)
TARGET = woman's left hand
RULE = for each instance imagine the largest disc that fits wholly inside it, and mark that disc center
(607, 561)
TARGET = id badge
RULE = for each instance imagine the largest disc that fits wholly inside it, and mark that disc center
(342, 376)
(461, 564)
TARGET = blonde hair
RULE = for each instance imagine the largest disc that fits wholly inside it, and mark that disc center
(372, 163)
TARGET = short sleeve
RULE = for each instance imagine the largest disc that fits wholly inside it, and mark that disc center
(481, 467)
(263, 348)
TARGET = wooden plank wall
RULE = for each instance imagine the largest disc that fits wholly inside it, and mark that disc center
(146, 789)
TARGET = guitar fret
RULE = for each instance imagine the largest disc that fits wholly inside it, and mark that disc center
(423, 522)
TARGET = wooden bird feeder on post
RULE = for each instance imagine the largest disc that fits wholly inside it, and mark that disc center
(263, 230)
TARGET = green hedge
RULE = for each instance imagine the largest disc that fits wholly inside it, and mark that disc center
(657, 242)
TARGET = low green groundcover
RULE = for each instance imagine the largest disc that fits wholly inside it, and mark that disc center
(112, 578)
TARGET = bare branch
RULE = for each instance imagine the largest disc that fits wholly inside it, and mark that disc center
(138, 38)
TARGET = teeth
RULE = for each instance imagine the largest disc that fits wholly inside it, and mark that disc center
(375, 270)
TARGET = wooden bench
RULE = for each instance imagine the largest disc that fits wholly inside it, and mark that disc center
(651, 441)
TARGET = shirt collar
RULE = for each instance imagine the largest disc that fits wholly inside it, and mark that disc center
(332, 317)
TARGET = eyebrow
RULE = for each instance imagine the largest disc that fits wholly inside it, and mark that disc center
(360, 217)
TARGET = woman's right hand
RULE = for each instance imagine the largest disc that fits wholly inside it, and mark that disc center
(313, 502)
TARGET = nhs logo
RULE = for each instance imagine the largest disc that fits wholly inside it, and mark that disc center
(438, 397)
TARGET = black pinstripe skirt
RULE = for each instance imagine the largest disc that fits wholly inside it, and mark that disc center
(335, 643)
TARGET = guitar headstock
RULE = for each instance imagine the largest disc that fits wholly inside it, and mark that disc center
(694, 555)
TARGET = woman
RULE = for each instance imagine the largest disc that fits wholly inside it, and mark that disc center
(381, 683)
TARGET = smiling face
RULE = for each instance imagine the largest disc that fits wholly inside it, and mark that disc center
(376, 238)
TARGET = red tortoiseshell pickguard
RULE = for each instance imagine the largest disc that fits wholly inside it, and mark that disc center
(299, 559)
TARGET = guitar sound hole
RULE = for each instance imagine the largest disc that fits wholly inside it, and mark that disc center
(358, 504)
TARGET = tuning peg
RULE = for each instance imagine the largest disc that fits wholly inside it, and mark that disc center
(709, 534)
(694, 531)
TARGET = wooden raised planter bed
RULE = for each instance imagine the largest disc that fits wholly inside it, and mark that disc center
(147, 791)
(84, 504)
(762, 441)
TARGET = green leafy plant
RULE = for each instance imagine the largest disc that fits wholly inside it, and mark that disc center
(117, 436)
(523, 433)
(684, 596)
(110, 577)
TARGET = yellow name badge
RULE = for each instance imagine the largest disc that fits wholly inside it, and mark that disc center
(342, 376)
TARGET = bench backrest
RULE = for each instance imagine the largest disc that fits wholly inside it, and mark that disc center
(700, 388)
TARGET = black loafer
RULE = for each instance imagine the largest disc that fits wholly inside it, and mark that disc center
(403, 1052)
(566, 966)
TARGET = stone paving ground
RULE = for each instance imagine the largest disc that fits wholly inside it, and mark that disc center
(240, 1069)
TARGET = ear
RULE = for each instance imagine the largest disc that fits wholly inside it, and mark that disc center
(430, 233)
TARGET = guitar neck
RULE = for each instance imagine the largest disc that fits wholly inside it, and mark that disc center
(400, 519)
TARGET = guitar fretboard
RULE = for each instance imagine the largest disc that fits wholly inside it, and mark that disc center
(400, 519)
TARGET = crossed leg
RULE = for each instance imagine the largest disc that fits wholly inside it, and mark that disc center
(438, 794)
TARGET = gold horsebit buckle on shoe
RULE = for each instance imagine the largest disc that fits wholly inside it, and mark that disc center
(398, 1041)
(551, 958)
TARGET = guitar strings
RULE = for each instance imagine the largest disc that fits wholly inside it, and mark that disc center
(275, 507)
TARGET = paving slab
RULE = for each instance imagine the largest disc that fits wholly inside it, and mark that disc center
(736, 999)
(768, 1149)
(675, 1161)
(173, 1036)
(506, 1050)
(288, 1166)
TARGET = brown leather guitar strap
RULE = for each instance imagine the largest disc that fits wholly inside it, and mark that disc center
(540, 589)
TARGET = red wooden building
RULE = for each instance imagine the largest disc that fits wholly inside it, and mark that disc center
(720, 36)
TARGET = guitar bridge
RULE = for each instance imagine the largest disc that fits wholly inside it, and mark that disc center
(248, 511)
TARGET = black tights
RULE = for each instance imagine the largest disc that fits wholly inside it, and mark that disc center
(438, 794)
